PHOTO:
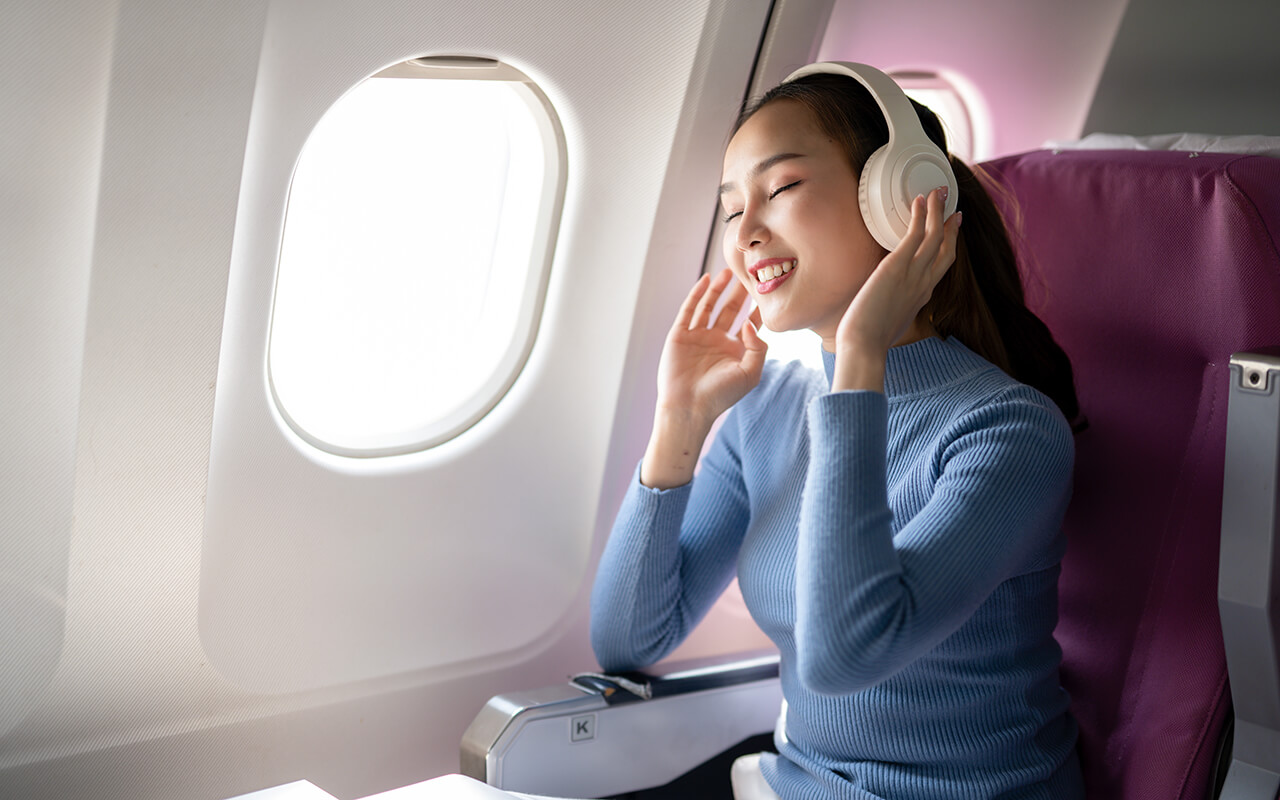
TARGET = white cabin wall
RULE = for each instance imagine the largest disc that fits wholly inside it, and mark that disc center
(522, 488)
(178, 89)
(145, 205)
(56, 60)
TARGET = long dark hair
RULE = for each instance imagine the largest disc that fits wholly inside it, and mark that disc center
(979, 301)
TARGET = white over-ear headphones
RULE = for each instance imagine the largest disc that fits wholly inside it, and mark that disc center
(909, 165)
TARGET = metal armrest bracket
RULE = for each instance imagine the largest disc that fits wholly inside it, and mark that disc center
(1249, 573)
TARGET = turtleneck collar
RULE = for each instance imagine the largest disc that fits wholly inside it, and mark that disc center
(921, 366)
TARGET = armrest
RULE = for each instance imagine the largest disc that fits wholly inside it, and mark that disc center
(1248, 571)
(592, 738)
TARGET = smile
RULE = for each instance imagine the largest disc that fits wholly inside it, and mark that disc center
(772, 276)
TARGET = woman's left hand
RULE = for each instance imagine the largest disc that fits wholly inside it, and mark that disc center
(895, 292)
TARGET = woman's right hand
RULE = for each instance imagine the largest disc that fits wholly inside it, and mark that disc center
(703, 371)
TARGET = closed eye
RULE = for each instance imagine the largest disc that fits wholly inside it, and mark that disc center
(729, 217)
(782, 189)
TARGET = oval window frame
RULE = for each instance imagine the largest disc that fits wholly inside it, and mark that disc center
(502, 376)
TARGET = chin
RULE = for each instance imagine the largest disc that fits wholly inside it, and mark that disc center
(772, 324)
(781, 323)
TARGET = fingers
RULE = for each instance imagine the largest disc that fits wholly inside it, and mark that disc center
(706, 304)
(926, 222)
(936, 204)
(684, 317)
(750, 335)
(736, 296)
(929, 238)
(698, 306)
(912, 239)
(756, 350)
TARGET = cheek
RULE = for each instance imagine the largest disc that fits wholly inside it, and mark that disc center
(842, 236)
(729, 249)
(828, 221)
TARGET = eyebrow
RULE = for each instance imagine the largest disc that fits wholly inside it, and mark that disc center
(761, 167)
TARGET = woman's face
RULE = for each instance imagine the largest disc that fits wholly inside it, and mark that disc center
(791, 200)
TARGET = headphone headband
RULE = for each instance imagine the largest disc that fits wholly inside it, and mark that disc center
(893, 102)
(908, 165)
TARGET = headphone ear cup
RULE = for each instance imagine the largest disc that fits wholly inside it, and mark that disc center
(872, 201)
(907, 166)
(886, 189)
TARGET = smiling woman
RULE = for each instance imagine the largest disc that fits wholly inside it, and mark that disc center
(798, 207)
(894, 524)
(961, 110)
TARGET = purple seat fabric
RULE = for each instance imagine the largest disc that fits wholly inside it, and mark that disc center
(1151, 269)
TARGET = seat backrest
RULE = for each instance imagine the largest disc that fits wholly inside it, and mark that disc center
(1151, 269)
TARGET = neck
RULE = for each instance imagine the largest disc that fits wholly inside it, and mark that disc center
(921, 329)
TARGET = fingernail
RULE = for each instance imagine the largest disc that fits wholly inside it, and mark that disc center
(959, 218)
(943, 191)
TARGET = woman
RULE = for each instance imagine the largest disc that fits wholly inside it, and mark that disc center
(895, 523)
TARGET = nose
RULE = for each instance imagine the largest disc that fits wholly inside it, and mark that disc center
(752, 231)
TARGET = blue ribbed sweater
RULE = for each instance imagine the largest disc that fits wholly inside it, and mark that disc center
(900, 549)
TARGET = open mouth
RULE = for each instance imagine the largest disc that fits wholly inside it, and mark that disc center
(772, 276)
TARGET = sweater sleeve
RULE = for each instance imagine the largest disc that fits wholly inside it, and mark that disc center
(670, 555)
(868, 601)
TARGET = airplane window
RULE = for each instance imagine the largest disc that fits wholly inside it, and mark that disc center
(968, 134)
(414, 256)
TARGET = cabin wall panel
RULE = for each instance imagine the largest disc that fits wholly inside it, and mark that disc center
(1034, 64)
(1192, 66)
(137, 707)
(56, 59)
(180, 94)
(177, 91)
(506, 511)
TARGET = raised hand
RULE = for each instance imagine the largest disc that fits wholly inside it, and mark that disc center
(888, 304)
(703, 371)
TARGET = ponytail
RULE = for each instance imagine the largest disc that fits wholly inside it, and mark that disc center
(984, 307)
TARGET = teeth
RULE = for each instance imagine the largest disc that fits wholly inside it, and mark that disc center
(775, 271)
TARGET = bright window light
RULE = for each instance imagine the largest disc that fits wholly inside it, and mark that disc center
(413, 261)
(803, 346)
(967, 132)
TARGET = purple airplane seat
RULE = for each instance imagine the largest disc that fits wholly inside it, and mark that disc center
(1151, 269)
